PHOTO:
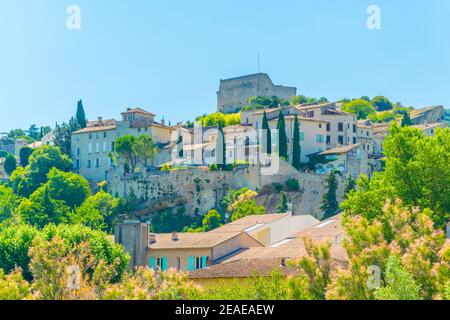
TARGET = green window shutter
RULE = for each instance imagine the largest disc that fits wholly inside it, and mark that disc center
(152, 263)
(191, 263)
(164, 263)
(204, 259)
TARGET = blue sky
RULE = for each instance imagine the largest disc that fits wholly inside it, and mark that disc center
(168, 56)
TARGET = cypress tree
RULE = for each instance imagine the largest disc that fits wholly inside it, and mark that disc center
(80, 115)
(283, 204)
(220, 148)
(282, 138)
(330, 205)
(406, 121)
(296, 150)
(266, 136)
(180, 144)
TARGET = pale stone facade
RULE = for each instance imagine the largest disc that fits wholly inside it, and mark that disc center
(91, 146)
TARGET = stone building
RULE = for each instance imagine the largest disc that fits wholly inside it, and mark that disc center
(234, 93)
(92, 145)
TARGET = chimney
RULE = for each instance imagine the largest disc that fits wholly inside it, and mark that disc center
(174, 236)
(163, 122)
(100, 119)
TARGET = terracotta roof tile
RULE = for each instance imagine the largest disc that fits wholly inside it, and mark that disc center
(191, 240)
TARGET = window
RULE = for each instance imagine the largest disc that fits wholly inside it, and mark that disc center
(354, 128)
(367, 133)
(145, 129)
(88, 165)
(139, 129)
(97, 163)
(104, 134)
(319, 138)
(196, 263)
(340, 126)
(158, 263)
(90, 148)
(78, 164)
(328, 139)
(78, 138)
(112, 146)
(78, 151)
(90, 136)
(97, 147)
(328, 127)
(320, 126)
(104, 146)
(354, 140)
(310, 114)
(341, 139)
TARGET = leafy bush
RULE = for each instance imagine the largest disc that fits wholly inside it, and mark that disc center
(292, 185)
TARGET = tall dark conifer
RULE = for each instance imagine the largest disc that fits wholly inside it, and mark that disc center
(266, 136)
(80, 115)
(296, 150)
(282, 138)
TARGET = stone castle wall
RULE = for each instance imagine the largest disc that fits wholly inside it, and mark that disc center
(200, 190)
(234, 93)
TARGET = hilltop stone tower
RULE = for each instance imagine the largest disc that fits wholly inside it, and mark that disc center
(234, 93)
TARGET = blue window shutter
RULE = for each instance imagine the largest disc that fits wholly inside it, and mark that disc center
(152, 263)
(164, 263)
(204, 259)
(191, 263)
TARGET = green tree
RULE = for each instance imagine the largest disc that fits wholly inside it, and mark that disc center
(99, 212)
(266, 136)
(33, 132)
(212, 220)
(243, 203)
(24, 156)
(361, 108)
(381, 103)
(329, 204)
(406, 120)
(40, 209)
(296, 150)
(400, 284)
(180, 150)
(17, 239)
(350, 186)
(282, 206)
(69, 187)
(10, 163)
(167, 221)
(8, 203)
(80, 115)
(282, 137)
(42, 161)
(14, 286)
(221, 148)
(145, 149)
(125, 148)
